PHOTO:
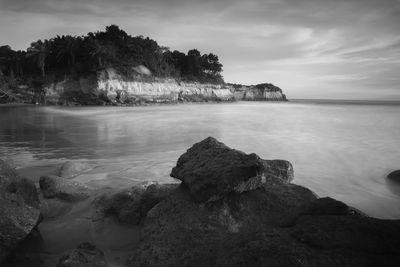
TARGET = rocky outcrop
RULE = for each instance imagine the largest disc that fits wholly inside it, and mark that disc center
(85, 255)
(394, 176)
(109, 87)
(212, 170)
(274, 223)
(53, 186)
(19, 209)
(131, 206)
(264, 92)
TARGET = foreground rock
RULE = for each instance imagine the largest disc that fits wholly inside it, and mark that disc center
(19, 209)
(56, 187)
(211, 170)
(72, 169)
(131, 206)
(394, 176)
(86, 255)
(272, 224)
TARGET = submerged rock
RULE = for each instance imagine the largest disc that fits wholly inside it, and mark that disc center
(19, 209)
(131, 206)
(72, 169)
(212, 170)
(394, 176)
(272, 224)
(85, 255)
(56, 187)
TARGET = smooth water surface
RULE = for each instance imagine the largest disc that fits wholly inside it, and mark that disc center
(343, 151)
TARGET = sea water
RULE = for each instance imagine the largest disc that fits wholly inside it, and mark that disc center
(339, 149)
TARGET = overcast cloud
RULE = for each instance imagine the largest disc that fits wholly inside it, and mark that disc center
(310, 48)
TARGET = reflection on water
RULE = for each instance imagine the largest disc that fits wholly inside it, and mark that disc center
(344, 151)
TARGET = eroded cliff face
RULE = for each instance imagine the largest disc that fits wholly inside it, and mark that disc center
(109, 86)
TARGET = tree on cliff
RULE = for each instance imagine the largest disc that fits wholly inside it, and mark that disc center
(111, 47)
(65, 49)
(38, 52)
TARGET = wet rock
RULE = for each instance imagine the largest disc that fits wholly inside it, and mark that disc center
(19, 209)
(54, 207)
(72, 169)
(131, 206)
(85, 255)
(328, 206)
(181, 232)
(394, 176)
(212, 170)
(274, 224)
(56, 187)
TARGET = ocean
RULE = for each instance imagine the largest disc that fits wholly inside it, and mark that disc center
(341, 149)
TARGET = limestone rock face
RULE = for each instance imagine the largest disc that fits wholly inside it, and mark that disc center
(19, 209)
(53, 186)
(131, 206)
(85, 255)
(212, 170)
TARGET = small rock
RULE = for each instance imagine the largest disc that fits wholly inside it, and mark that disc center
(85, 255)
(394, 176)
(55, 186)
(19, 209)
(212, 170)
(131, 206)
(72, 169)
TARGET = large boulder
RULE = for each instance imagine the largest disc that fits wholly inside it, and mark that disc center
(19, 209)
(274, 224)
(85, 255)
(56, 187)
(212, 170)
(131, 206)
(181, 232)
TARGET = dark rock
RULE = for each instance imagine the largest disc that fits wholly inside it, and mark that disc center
(72, 169)
(131, 206)
(327, 206)
(394, 176)
(86, 255)
(275, 224)
(56, 187)
(212, 170)
(19, 209)
(180, 232)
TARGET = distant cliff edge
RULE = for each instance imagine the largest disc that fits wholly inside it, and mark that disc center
(108, 87)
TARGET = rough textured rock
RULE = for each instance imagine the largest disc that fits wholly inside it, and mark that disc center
(181, 232)
(328, 206)
(19, 209)
(275, 224)
(85, 255)
(131, 206)
(72, 169)
(394, 176)
(56, 187)
(211, 170)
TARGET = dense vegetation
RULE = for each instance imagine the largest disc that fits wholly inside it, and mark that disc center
(67, 54)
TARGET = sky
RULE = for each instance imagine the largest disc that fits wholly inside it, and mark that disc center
(318, 49)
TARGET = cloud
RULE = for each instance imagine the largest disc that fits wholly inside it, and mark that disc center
(311, 48)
